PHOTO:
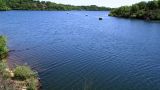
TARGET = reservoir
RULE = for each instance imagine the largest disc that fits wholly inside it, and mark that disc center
(77, 52)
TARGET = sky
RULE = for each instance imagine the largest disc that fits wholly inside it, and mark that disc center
(106, 3)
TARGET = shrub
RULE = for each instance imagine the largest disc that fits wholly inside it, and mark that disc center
(3, 66)
(3, 47)
(23, 73)
(31, 84)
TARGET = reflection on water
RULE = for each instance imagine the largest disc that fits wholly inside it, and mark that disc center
(75, 52)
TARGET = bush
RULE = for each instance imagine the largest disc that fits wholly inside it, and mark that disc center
(3, 66)
(5, 74)
(23, 73)
(31, 84)
(3, 47)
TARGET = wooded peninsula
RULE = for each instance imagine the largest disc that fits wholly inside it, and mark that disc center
(143, 10)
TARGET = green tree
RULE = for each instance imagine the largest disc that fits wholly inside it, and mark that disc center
(134, 8)
(152, 5)
(3, 6)
(158, 3)
(142, 5)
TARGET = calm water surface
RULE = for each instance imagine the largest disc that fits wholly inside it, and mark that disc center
(76, 52)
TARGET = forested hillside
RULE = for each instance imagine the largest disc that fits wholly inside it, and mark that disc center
(43, 5)
(143, 10)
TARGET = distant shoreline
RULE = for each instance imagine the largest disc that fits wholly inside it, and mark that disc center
(45, 5)
(55, 10)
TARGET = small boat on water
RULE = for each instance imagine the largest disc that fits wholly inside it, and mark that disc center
(86, 15)
(100, 18)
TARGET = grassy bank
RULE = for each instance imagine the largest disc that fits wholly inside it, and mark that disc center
(18, 78)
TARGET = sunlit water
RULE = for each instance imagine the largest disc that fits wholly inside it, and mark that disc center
(77, 52)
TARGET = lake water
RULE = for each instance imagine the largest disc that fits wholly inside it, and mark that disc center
(77, 52)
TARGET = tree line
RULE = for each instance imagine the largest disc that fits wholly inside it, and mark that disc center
(143, 10)
(44, 5)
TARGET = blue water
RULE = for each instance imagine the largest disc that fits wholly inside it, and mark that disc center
(77, 52)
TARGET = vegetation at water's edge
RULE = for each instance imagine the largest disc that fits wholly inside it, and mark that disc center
(143, 10)
(43, 5)
(22, 77)
(3, 47)
(23, 73)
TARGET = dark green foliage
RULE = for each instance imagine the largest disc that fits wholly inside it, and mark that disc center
(43, 5)
(3, 6)
(134, 8)
(152, 5)
(3, 47)
(158, 3)
(144, 10)
(142, 5)
(122, 11)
